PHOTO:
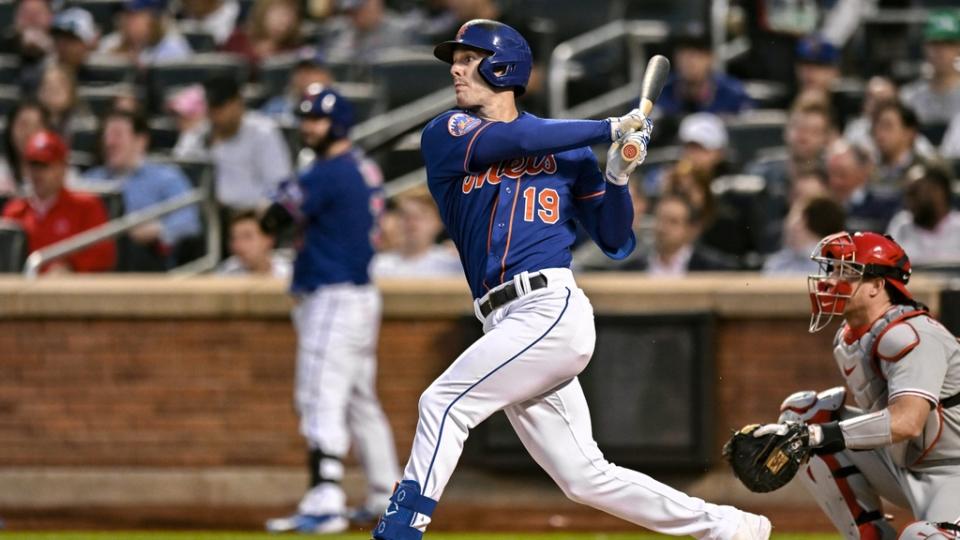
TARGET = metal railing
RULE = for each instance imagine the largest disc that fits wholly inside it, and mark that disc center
(386, 127)
(563, 66)
(203, 195)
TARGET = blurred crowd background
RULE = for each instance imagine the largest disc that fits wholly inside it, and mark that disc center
(782, 122)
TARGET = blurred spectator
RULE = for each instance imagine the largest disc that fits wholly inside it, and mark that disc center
(704, 154)
(417, 253)
(818, 64)
(52, 213)
(774, 27)
(366, 29)
(273, 27)
(29, 39)
(58, 94)
(216, 17)
(589, 257)
(950, 147)
(248, 150)
(75, 36)
(251, 250)
(809, 129)
(694, 85)
(936, 100)
(857, 130)
(311, 68)
(808, 132)
(808, 221)
(809, 183)
(23, 120)
(675, 248)
(189, 106)
(146, 36)
(895, 129)
(928, 227)
(849, 169)
(144, 184)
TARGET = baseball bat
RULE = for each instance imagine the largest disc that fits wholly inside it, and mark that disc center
(654, 78)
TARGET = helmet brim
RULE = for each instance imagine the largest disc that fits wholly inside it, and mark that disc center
(900, 287)
(444, 51)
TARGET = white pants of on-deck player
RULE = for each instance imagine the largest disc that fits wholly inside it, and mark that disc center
(337, 329)
(527, 364)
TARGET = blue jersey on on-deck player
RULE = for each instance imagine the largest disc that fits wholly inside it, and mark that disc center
(510, 206)
(337, 203)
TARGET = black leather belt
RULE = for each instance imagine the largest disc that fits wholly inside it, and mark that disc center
(507, 294)
(951, 401)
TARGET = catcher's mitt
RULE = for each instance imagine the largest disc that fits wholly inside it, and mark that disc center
(767, 462)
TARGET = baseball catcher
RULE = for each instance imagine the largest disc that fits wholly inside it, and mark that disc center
(902, 369)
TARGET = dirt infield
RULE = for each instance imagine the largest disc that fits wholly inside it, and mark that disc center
(452, 517)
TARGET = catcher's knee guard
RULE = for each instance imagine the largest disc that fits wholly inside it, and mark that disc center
(811, 407)
(398, 519)
(846, 497)
(927, 530)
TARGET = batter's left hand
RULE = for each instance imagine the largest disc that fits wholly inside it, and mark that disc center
(624, 125)
(618, 169)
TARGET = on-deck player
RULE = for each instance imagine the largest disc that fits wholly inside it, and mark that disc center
(336, 203)
(509, 186)
(902, 442)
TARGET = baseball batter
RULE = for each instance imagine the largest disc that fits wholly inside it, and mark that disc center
(902, 367)
(336, 202)
(509, 187)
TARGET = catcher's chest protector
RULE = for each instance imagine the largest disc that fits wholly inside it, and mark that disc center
(856, 362)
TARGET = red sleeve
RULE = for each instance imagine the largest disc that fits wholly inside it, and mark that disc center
(100, 257)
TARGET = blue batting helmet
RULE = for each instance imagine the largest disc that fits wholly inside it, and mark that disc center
(509, 52)
(324, 102)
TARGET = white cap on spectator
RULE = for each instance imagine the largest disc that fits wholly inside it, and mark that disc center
(705, 129)
(77, 22)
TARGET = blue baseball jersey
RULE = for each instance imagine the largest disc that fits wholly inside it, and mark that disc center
(516, 214)
(337, 203)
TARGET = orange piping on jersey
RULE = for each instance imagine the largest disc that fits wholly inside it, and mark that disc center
(466, 156)
(876, 342)
(591, 195)
(513, 209)
(935, 439)
(493, 213)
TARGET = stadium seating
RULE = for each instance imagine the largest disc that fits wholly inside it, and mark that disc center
(409, 74)
(13, 247)
(753, 131)
(200, 40)
(9, 67)
(105, 69)
(9, 96)
(167, 76)
(6, 13)
(101, 98)
(163, 134)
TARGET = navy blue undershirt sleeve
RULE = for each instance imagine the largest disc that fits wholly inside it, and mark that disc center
(604, 210)
(532, 136)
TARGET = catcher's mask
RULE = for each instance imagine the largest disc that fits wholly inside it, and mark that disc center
(844, 260)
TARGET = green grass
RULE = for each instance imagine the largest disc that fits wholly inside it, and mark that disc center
(138, 535)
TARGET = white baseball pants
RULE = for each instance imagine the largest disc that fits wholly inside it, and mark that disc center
(335, 395)
(527, 363)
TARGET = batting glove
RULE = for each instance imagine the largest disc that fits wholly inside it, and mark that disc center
(618, 169)
(624, 125)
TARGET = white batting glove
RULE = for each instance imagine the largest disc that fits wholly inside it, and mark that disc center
(618, 169)
(624, 125)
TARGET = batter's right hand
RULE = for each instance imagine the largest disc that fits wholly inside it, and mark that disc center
(618, 169)
(624, 125)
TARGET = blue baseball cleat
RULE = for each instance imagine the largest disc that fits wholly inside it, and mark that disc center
(308, 523)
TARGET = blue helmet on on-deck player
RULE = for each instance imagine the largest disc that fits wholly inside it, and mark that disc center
(509, 52)
(324, 102)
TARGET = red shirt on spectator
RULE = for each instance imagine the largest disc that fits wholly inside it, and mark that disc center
(70, 214)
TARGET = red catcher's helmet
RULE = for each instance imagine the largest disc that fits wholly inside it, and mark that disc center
(845, 259)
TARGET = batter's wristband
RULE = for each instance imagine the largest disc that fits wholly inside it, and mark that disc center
(833, 441)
